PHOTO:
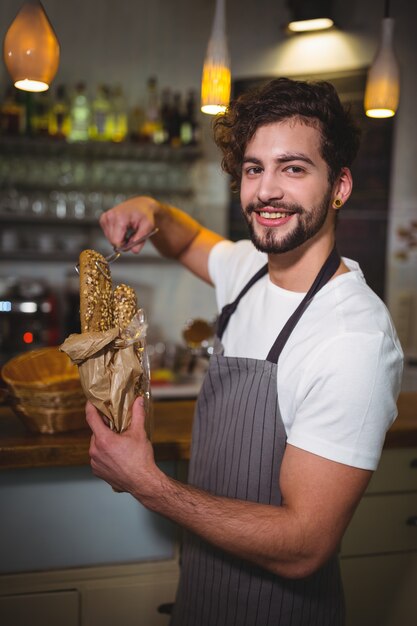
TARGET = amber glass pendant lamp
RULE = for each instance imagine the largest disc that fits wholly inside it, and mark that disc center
(216, 79)
(382, 91)
(31, 49)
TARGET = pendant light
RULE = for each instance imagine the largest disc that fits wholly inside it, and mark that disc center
(31, 49)
(382, 91)
(216, 81)
(309, 15)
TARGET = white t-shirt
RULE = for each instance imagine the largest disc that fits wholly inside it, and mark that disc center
(339, 374)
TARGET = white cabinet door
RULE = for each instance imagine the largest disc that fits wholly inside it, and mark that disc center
(397, 471)
(381, 524)
(127, 605)
(41, 609)
(381, 590)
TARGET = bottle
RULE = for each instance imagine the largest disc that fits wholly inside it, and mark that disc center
(40, 114)
(12, 114)
(80, 114)
(152, 131)
(59, 118)
(176, 121)
(101, 109)
(136, 121)
(190, 127)
(166, 113)
(119, 118)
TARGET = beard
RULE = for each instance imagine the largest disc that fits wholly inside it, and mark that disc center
(309, 222)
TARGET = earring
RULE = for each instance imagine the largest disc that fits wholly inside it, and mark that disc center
(337, 203)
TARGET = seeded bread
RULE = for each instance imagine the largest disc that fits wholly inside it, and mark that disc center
(96, 312)
(124, 305)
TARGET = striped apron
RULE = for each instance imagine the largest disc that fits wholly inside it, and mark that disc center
(238, 444)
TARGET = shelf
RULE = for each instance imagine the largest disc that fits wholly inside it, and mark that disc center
(96, 187)
(71, 257)
(47, 147)
(47, 220)
(56, 178)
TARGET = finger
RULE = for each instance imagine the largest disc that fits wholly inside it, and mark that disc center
(94, 419)
(92, 446)
(114, 223)
(137, 423)
(137, 249)
(118, 226)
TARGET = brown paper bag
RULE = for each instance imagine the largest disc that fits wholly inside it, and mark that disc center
(114, 370)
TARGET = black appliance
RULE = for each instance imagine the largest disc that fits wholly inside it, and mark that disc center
(28, 317)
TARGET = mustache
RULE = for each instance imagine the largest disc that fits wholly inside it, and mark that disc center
(275, 204)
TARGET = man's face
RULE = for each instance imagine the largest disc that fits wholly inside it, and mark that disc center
(285, 191)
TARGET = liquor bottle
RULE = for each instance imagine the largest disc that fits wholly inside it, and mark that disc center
(12, 114)
(176, 121)
(101, 109)
(119, 117)
(80, 114)
(190, 133)
(136, 120)
(152, 131)
(59, 118)
(40, 114)
(166, 113)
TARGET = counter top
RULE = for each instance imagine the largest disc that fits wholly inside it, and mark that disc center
(21, 449)
(171, 437)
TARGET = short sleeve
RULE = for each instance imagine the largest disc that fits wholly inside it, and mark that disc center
(350, 389)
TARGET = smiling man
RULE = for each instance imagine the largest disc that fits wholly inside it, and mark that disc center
(300, 392)
(271, 176)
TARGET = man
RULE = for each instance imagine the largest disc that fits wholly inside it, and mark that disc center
(294, 409)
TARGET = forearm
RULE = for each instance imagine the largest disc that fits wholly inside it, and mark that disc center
(179, 236)
(293, 540)
(177, 230)
(269, 536)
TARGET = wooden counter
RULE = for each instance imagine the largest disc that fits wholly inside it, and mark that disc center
(20, 448)
(172, 435)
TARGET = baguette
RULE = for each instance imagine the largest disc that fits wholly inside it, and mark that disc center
(96, 312)
(124, 305)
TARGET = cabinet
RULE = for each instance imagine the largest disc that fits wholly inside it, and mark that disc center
(52, 193)
(379, 550)
(123, 594)
(38, 609)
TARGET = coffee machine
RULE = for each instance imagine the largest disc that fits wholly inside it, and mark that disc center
(28, 317)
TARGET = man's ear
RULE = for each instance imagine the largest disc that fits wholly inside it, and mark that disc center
(342, 188)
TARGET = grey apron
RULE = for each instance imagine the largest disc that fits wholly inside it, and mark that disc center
(237, 448)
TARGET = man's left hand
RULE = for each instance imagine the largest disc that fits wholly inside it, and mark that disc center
(124, 460)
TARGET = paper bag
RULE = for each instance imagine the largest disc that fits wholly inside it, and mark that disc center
(114, 370)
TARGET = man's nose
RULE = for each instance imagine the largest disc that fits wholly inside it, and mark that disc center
(269, 188)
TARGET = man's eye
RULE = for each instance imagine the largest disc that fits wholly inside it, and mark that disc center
(295, 169)
(254, 169)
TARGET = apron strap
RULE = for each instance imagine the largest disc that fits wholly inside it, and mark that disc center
(329, 268)
(228, 310)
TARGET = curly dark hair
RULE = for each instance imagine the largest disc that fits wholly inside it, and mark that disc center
(315, 103)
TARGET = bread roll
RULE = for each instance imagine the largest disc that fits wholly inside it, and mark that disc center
(96, 312)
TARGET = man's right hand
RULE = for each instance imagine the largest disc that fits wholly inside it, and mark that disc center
(179, 236)
(136, 214)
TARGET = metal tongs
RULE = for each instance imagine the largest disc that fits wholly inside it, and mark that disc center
(117, 251)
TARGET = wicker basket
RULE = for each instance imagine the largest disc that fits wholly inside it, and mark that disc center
(50, 421)
(46, 369)
(45, 391)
